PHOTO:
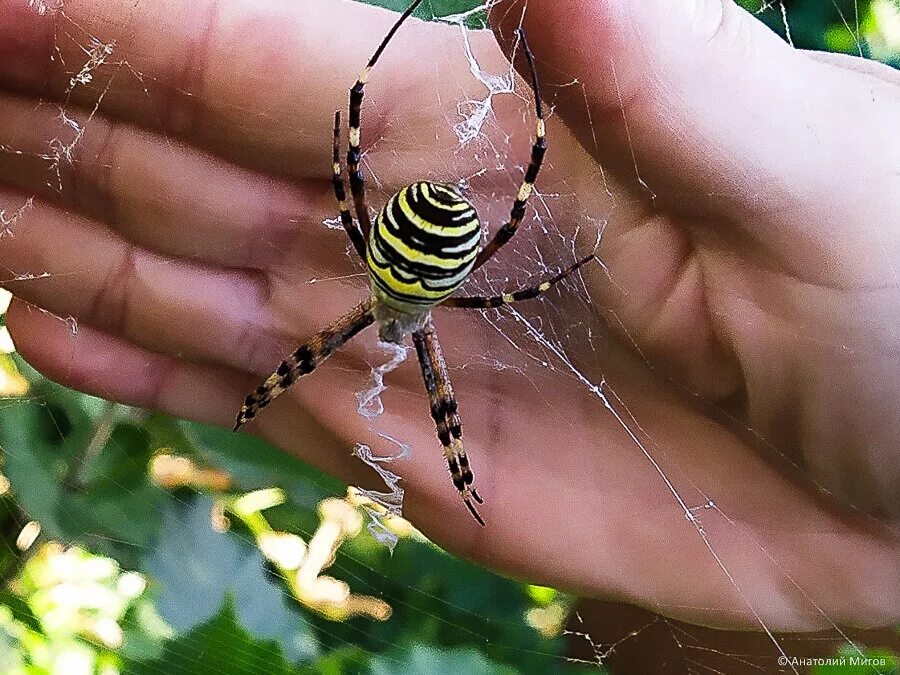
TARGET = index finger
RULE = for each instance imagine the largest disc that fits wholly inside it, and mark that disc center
(254, 83)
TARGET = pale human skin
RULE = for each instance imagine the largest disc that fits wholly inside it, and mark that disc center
(752, 259)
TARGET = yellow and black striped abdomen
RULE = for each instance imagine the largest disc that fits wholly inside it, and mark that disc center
(422, 246)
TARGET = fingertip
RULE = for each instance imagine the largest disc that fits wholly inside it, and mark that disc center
(556, 31)
(81, 357)
(78, 356)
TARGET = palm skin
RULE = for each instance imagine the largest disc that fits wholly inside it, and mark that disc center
(749, 253)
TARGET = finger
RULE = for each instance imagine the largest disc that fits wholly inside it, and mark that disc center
(158, 193)
(184, 83)
(104, 365)
(257, 84)
(78, 268)
(705, 106)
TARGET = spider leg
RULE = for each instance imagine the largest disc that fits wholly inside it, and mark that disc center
(340, 193)
(488, 302)
(357, 182)
(505, 233)
(445, 415)
(305, 360)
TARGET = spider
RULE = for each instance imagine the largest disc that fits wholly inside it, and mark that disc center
(420, 249)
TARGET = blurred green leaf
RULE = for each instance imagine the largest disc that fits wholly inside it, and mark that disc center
(21, 612)
(424, 660)
(221, 645)
(431, 9)
(11, 521)
(442, 600)
(116, 510)
(848, 26)
(195, 567)
(145, 632)
(839, 39)
(870, 662)
(340, 661)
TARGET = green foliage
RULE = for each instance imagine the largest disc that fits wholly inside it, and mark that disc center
(221, 645)
(434, 9)
(193, 561)
(850, 661)
(19, 611)
(859, 27)
(421, 660)
(78, 498)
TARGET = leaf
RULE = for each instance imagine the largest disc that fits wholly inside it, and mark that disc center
(426, 660)
(849, 661)
(21, 612)
(220, 645)
(255, 464)
(144, 631)
(438, 8)
(116, 511)
(195, 567)
(339, 661)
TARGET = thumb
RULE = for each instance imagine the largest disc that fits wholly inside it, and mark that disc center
(697, 100)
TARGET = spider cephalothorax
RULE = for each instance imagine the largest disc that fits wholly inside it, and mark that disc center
(422, 246)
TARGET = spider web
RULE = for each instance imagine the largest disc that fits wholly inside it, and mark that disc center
(557, 343)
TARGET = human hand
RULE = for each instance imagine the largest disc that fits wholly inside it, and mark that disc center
(227, 131)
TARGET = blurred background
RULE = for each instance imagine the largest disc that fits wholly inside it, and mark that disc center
(131, 542)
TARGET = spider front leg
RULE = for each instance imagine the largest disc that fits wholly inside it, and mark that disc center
(445, 416)
(340, 192)
(493, 301)
(354, 154)
(305, 359)
(538, 150)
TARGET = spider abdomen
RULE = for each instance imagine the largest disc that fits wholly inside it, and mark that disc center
(422, 246)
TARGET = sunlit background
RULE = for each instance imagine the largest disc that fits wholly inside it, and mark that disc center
(130, 542)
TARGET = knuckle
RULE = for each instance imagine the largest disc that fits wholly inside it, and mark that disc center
(110, 306)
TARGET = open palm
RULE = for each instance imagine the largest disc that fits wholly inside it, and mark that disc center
(748, 277)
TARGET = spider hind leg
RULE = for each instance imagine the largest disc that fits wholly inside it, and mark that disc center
(461, 473)
(445, 416)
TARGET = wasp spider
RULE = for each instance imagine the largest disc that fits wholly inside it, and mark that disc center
(423, 245)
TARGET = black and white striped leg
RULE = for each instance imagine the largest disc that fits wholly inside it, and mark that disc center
(538, 150)
(445, 415)
(340, 192)
(305, 360)
(489, 302)
(354, 155)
